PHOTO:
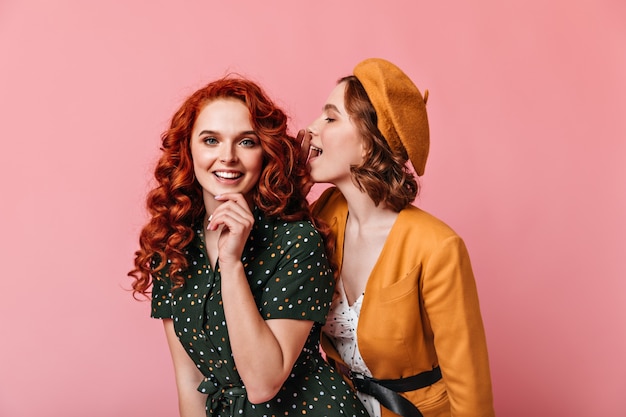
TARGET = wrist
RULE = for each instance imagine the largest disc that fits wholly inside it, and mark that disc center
(230, 266)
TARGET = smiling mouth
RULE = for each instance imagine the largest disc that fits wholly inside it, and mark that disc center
(315, 151)
(228, 175)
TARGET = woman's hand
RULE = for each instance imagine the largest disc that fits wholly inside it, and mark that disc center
(234, 220)
(304, 138)
(279, 341)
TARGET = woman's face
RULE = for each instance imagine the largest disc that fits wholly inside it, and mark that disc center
(227, 154)
(336, 144)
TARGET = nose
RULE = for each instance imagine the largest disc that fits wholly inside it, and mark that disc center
(228, 153)
(313, 128)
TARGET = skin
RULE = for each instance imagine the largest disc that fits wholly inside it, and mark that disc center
(226, 152)
(366, 231)
(368, 225)
(227, 157)
(334, 133)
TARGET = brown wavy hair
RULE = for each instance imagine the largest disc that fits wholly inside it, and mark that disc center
(176, 203)
(384, 174)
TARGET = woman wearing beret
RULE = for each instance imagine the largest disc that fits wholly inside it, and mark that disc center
(405, 326)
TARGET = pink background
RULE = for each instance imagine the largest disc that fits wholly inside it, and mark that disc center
(527, 108)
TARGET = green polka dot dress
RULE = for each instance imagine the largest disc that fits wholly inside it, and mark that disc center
(290, 279)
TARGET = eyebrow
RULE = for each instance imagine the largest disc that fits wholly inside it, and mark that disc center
(212, 132)
(331, 107)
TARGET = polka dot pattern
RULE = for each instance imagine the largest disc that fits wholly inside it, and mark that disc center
(290, 278)
(341, 326)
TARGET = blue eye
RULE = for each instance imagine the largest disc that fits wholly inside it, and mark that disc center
(210, 140)
(248, 143)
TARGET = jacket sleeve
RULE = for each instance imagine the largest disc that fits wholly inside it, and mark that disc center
(452, 307)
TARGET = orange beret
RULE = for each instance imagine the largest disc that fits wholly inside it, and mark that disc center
(400, 108)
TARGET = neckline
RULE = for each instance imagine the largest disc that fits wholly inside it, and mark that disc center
(383, 250)
(344, 296)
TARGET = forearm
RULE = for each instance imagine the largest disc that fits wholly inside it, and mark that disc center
(452, 304)
(264, 351)
(191, 402)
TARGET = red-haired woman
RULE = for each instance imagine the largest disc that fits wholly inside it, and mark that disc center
(238, 271)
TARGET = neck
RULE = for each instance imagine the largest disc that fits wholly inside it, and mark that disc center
(363, 211)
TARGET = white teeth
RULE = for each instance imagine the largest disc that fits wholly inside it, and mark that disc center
(228, 175)
(317, 150)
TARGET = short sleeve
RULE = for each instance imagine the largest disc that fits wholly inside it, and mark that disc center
(161, 298)
(301, 287)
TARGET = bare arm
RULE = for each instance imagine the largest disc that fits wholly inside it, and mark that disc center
(191, 402)
(264, 351)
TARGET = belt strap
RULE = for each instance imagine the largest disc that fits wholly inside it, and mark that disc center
(386, 390)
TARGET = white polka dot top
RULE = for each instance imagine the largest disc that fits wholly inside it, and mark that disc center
(341, 326)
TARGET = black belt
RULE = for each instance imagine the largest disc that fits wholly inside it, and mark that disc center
(386, 390)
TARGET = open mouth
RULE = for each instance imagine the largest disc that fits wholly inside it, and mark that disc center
(314, 151)
(228, 175)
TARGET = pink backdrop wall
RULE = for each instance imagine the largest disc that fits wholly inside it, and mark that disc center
(527, 105)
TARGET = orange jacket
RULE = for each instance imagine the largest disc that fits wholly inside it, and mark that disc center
(420, 310)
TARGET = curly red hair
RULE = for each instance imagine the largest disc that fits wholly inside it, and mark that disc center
(176, 203)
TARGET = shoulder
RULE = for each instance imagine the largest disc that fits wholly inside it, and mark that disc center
(417, 224)
(298, 231)
(278, 225)
(416, 217)
(330, 204)
(278, 230)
